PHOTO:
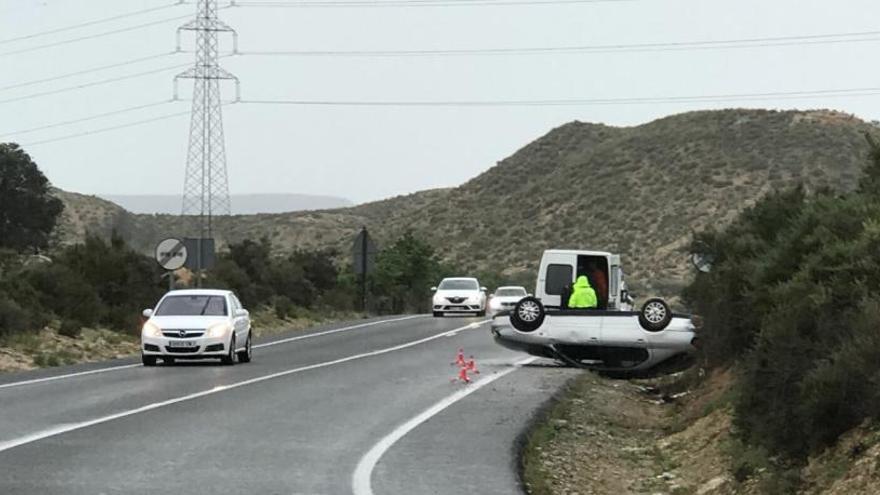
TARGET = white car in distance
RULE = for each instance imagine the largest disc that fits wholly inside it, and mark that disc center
(506, 298)
(196, 324)
(459, 295)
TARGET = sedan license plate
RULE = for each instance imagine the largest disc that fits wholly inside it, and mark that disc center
(181, 343)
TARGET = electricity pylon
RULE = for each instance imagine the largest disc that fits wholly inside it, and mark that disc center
(206, 187)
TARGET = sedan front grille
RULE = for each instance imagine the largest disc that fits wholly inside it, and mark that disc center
(456, 300)
(183, 334)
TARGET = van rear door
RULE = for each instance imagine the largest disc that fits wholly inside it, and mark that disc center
(557, 271)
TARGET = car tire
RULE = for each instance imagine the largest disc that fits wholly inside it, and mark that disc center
(245, 355)
(481, 313)
(655, 315)
(528, 315)
(168, 360)
(148, 360)
(438, 314)
(229, 358)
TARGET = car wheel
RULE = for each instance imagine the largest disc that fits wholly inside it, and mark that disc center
(655, 315)
(528, 315)
(245, 355)
(481, 313)
(168, 360)
(148, 360)
(438, 314)
(229, 358)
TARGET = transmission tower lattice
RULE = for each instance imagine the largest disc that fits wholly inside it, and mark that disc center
(206, 187)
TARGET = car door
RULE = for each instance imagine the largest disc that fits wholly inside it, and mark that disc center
(623, 330)
(579, 329)
(239, 323)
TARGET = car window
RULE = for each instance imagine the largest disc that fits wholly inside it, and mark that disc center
(510, 292)
(459, 285)
(193, 306)
(558, 276)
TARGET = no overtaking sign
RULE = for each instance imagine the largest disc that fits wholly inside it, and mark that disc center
(171, 254)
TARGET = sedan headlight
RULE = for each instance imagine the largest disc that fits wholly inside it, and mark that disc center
(151, 330)
(218, 330)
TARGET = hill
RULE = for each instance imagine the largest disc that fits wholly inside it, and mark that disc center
(242, 204)
(639, 191)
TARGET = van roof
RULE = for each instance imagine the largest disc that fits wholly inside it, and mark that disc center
(577, 252)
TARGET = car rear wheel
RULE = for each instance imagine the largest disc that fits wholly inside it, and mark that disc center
(229, 358)
(245, 355)
(655, 315)
(528, 315)
(168, 360)
(148, 360)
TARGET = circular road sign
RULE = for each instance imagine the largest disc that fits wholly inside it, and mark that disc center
(171, 254)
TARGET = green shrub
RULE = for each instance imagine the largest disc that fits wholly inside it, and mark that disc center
(70, 328)
(13, 319)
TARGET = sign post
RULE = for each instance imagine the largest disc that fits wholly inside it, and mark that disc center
(171, 254)
(364, 254)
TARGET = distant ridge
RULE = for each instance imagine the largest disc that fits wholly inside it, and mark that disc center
(242, 204)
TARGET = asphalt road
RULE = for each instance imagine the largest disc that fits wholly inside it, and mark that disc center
(360, 408)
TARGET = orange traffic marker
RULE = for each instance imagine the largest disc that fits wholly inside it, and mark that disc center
(472, 366)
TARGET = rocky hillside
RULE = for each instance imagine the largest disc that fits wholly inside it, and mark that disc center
(639, 191)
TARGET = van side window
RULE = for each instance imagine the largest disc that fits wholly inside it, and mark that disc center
(558, 276)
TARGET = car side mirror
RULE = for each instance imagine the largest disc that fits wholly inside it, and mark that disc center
(241, 313)
(147, 313)
(483, 289)
(530, 295)
(433, 289)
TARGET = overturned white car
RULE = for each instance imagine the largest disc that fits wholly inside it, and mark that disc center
(611, 336)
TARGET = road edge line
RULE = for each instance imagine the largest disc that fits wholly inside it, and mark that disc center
(361, 478)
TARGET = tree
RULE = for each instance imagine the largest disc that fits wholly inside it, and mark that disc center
(28, 211)
(405, 272)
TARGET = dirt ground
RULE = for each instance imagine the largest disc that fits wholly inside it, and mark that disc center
(614, 437)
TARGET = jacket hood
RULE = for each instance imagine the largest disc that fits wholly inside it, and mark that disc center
(582, 282)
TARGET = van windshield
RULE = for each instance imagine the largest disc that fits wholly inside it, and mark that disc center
(459, 285)
(192, 306)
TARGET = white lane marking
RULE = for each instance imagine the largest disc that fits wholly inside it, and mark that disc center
(127, 366)
(337, 330)
(64, 428)
(363, 473)
(69, 375)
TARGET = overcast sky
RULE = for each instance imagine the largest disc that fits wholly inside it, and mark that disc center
(368, 153)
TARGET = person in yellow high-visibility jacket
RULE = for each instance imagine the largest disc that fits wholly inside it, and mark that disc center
(582, 295)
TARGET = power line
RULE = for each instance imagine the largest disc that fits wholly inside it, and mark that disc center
(787, 95)
(782, 95)
(86, 119)
(86, 71)
(651, 47)
(90, 23)
(93, 83)
(414, 3)
(93, 36)
(108, 129)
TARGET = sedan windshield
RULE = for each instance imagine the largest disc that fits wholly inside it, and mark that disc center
(192, 306)
(459, 285)
(510, 293)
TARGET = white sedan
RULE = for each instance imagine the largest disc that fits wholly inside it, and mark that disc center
(197, 324)
(506, 298)
(459, 295)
